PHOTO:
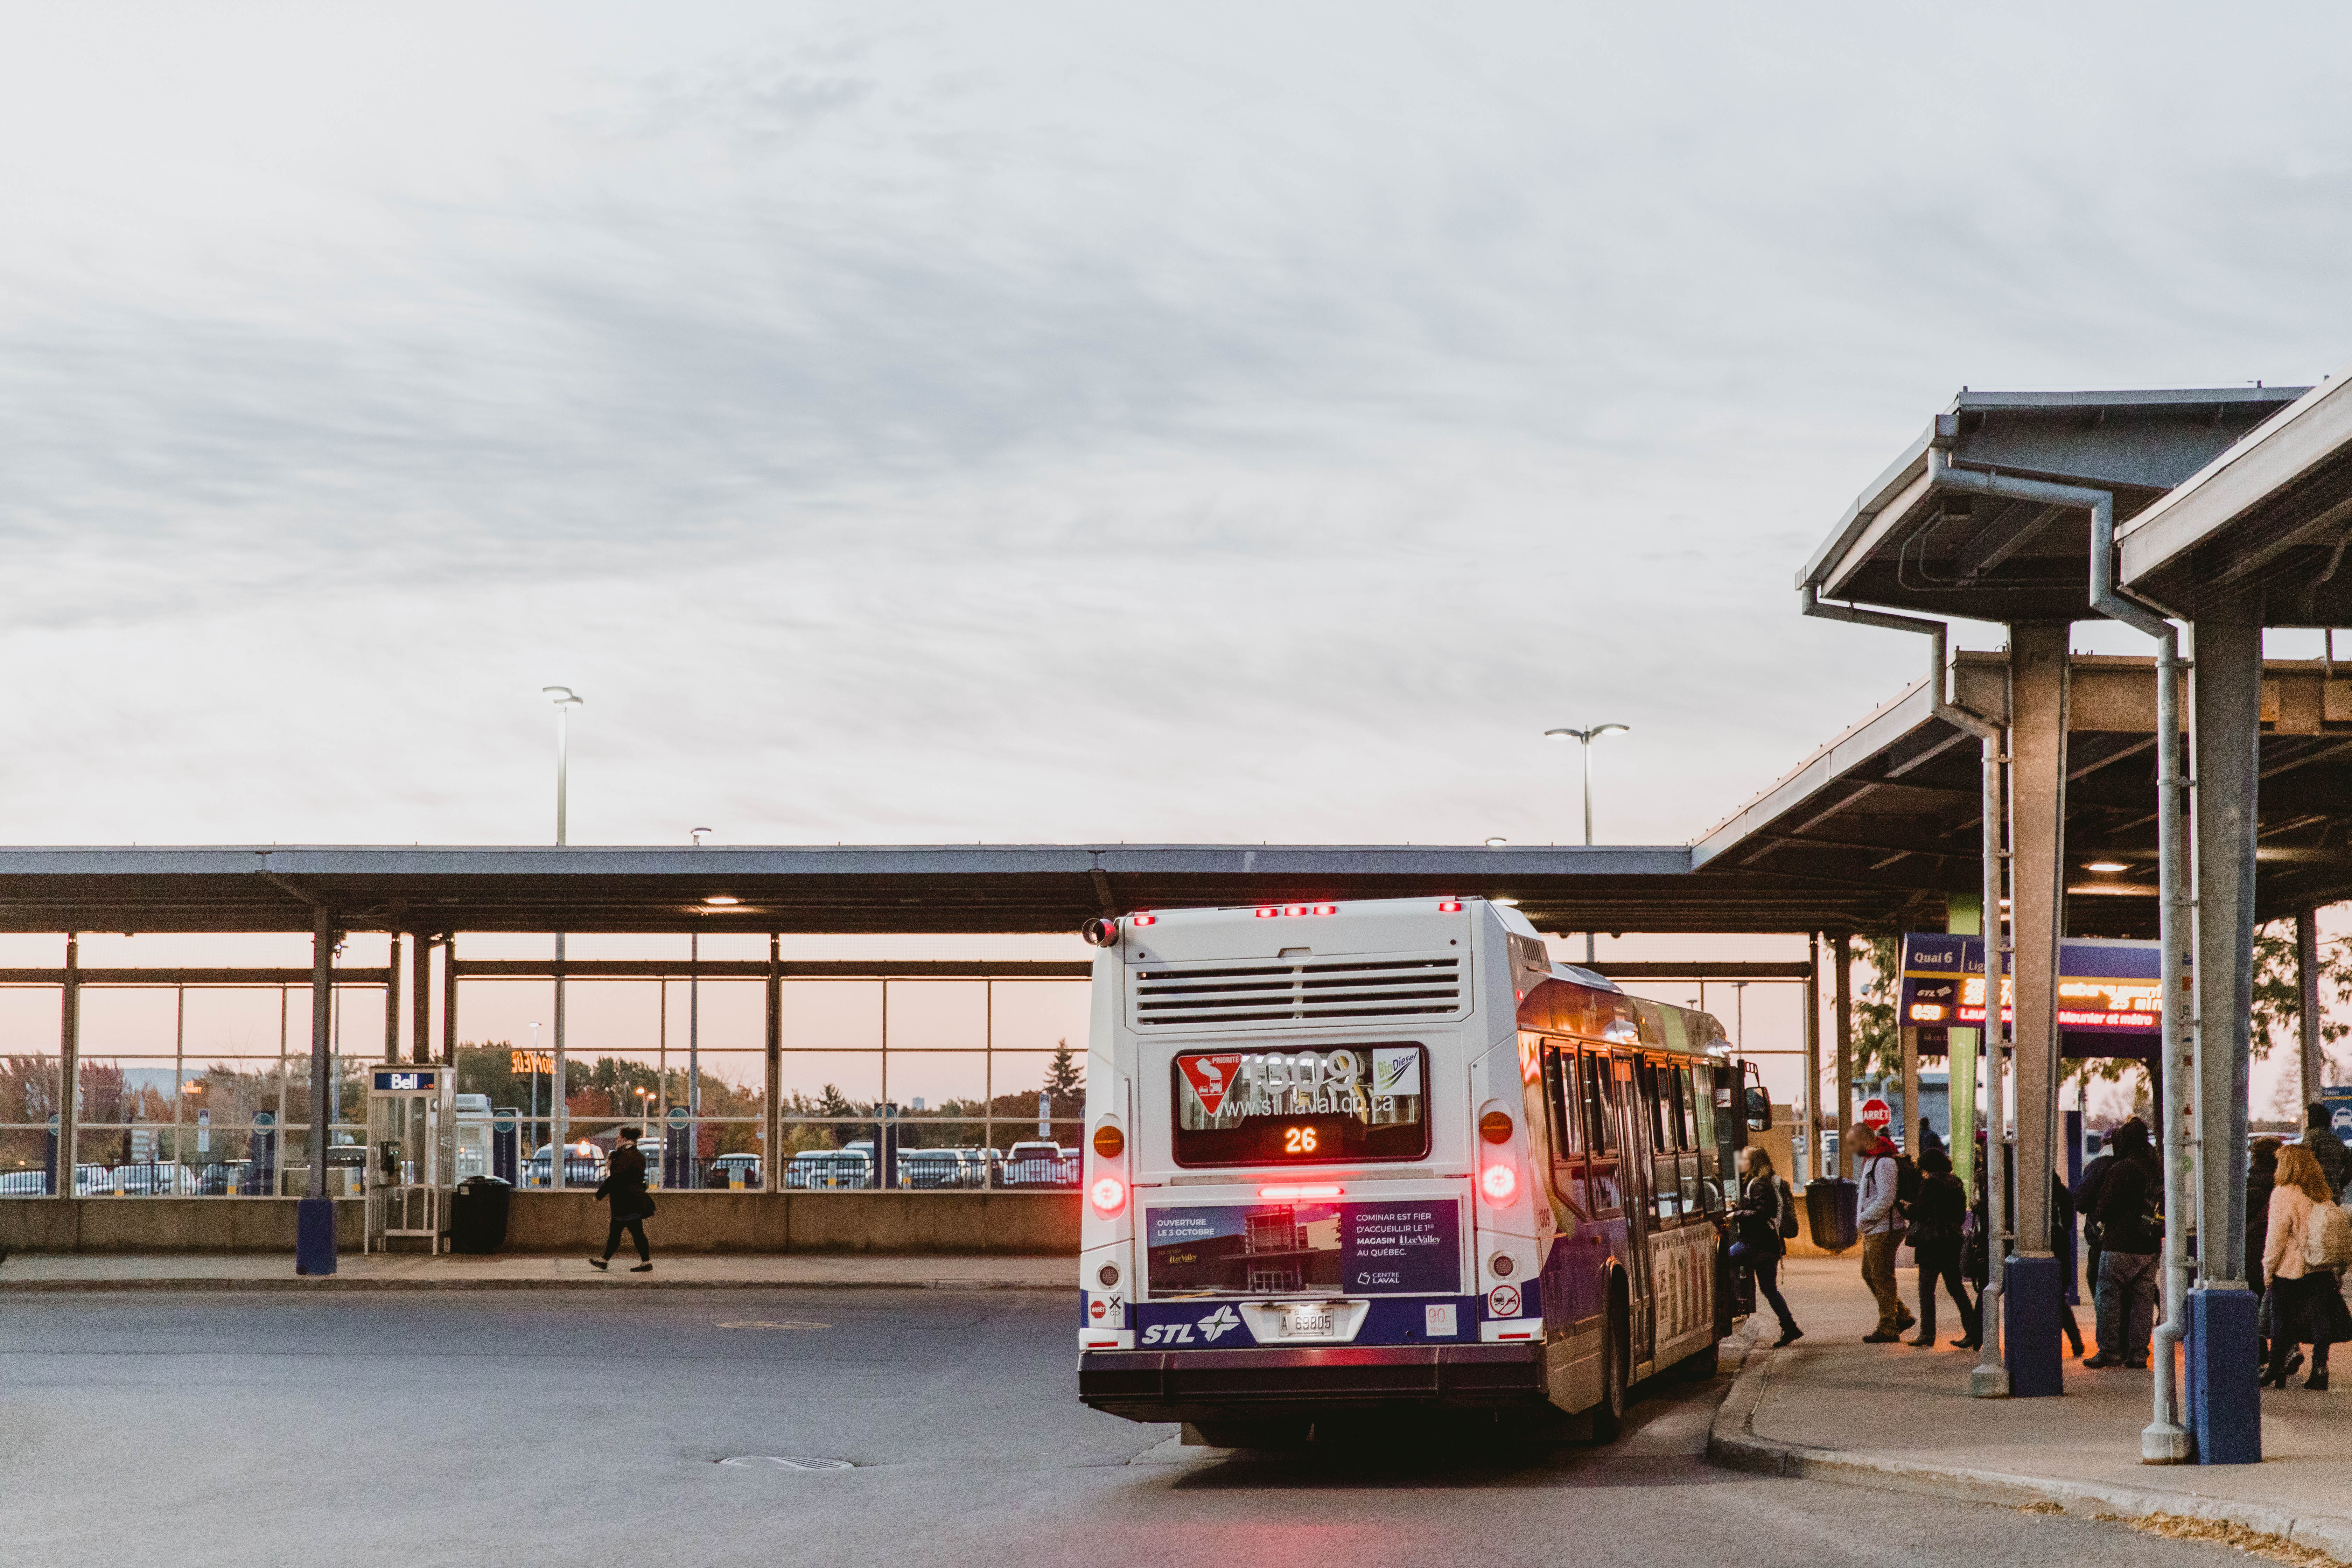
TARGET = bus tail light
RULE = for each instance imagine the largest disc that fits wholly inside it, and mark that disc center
(1108, 1194)
(1449, 907)
(1499, 1182)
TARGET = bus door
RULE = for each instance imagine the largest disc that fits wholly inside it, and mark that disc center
(1633, 1138)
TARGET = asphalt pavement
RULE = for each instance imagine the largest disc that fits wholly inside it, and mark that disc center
(486, 1427)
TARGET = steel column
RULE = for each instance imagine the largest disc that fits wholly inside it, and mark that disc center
(1845, 1053)
(559, 1119)
(420, 997)
(772, 1168)
(1813, 1171)
(2314, 1060)
(69, 1068)
(392, 1000)
(322, 1023)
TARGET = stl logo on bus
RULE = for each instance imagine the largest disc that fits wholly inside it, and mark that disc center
(1211, 1076)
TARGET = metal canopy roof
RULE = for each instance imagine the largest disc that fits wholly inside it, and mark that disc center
(1939, 551)
(2272, 513)
(861, 888)
(1893, 804)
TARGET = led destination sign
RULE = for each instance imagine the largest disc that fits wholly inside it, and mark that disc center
(2110, 993)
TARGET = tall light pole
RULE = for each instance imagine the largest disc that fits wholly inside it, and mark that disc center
(558, 1113)
(694, 1034)
(1584, 738)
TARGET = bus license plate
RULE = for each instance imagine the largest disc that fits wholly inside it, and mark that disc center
(1309, 1323)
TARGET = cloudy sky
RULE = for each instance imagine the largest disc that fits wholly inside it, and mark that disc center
(1050, 423)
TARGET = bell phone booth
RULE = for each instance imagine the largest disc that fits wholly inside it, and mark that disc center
(412, 1157)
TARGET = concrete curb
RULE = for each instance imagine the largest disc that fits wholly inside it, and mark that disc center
(1732, 1442)
(335, 1283)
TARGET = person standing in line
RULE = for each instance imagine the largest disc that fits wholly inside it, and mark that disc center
(2086, 1204)
(2335, 1160)
(2130, 1226)
(2300, 1294)
(1936, 1216)
(2262, 1175)
(1762, 1207)
(623, 1187)
(1881, 1235)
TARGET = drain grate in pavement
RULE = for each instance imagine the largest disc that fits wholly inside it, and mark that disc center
(786, 1462)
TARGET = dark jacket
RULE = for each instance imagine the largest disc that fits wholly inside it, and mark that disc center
(1935, 1215)
(2086, 1197)
(625, 1184)
(2261, 1177)
(2333, 1161)
(2127, 1199)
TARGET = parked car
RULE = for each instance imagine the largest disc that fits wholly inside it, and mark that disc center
(163, 1178)
(1038, 1164)
(579, 1170)
(92, 1181)
(822, 1168)
(931, 1168)
(727, 1169)
(223, 1178)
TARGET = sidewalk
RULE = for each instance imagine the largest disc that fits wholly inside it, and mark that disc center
(414, 1271)
(1832, 1408)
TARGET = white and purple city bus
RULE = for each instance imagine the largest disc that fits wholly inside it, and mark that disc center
(1355, 1157)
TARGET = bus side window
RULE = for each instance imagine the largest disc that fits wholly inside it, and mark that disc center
(1606, 1181)
(1563, 1092)
(1665, 1195)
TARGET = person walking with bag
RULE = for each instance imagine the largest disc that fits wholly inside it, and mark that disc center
(1937, 1216)
(1766, 1216)
(2303, 1254)
(623, 1187)
(1881, 1233)
(2131, 1226)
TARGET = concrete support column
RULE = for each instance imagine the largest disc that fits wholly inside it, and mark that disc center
(314, 1221)
(2225, 714)
(420, 1001)
(2314, 1060)
(559, 1120)
(1845, 1053)
(2225, 724)
(69, 1069)
(2038, 666)
(449, 998)
(1813, 1170)
(391, 998)
(771, 1167)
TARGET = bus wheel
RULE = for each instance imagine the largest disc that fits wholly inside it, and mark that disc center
(1609, 1416)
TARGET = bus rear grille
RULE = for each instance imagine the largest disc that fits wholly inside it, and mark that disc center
(1337, 990)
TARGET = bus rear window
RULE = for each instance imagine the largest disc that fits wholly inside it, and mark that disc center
(1341, 1105)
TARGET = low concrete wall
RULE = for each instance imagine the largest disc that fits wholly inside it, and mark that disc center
(1033, 1223)
(162, 1225)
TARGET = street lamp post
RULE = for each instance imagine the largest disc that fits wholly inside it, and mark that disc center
(559, 1121)
(1584, 738)
(694, 1034)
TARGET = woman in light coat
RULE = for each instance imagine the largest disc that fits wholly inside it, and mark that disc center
(2300, 1305)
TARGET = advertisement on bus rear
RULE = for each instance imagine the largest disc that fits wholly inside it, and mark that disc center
(1280, 1248)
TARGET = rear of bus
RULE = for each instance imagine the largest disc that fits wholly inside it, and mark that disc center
(1306, 1184)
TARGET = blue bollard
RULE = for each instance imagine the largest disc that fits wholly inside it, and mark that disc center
(2225, 1389)
(2033, 1297)
(314, 1237)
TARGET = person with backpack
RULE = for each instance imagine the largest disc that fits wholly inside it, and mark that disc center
(1937, 1215)
(2308, 1242)
(1766, 1217)
(623, 1187)
(1881, 1233)
(2335, 1160)
(2130, 1228)
(2085, 1194)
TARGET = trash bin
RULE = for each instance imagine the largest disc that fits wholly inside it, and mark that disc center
(478, 1214)
(1832, 1206)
